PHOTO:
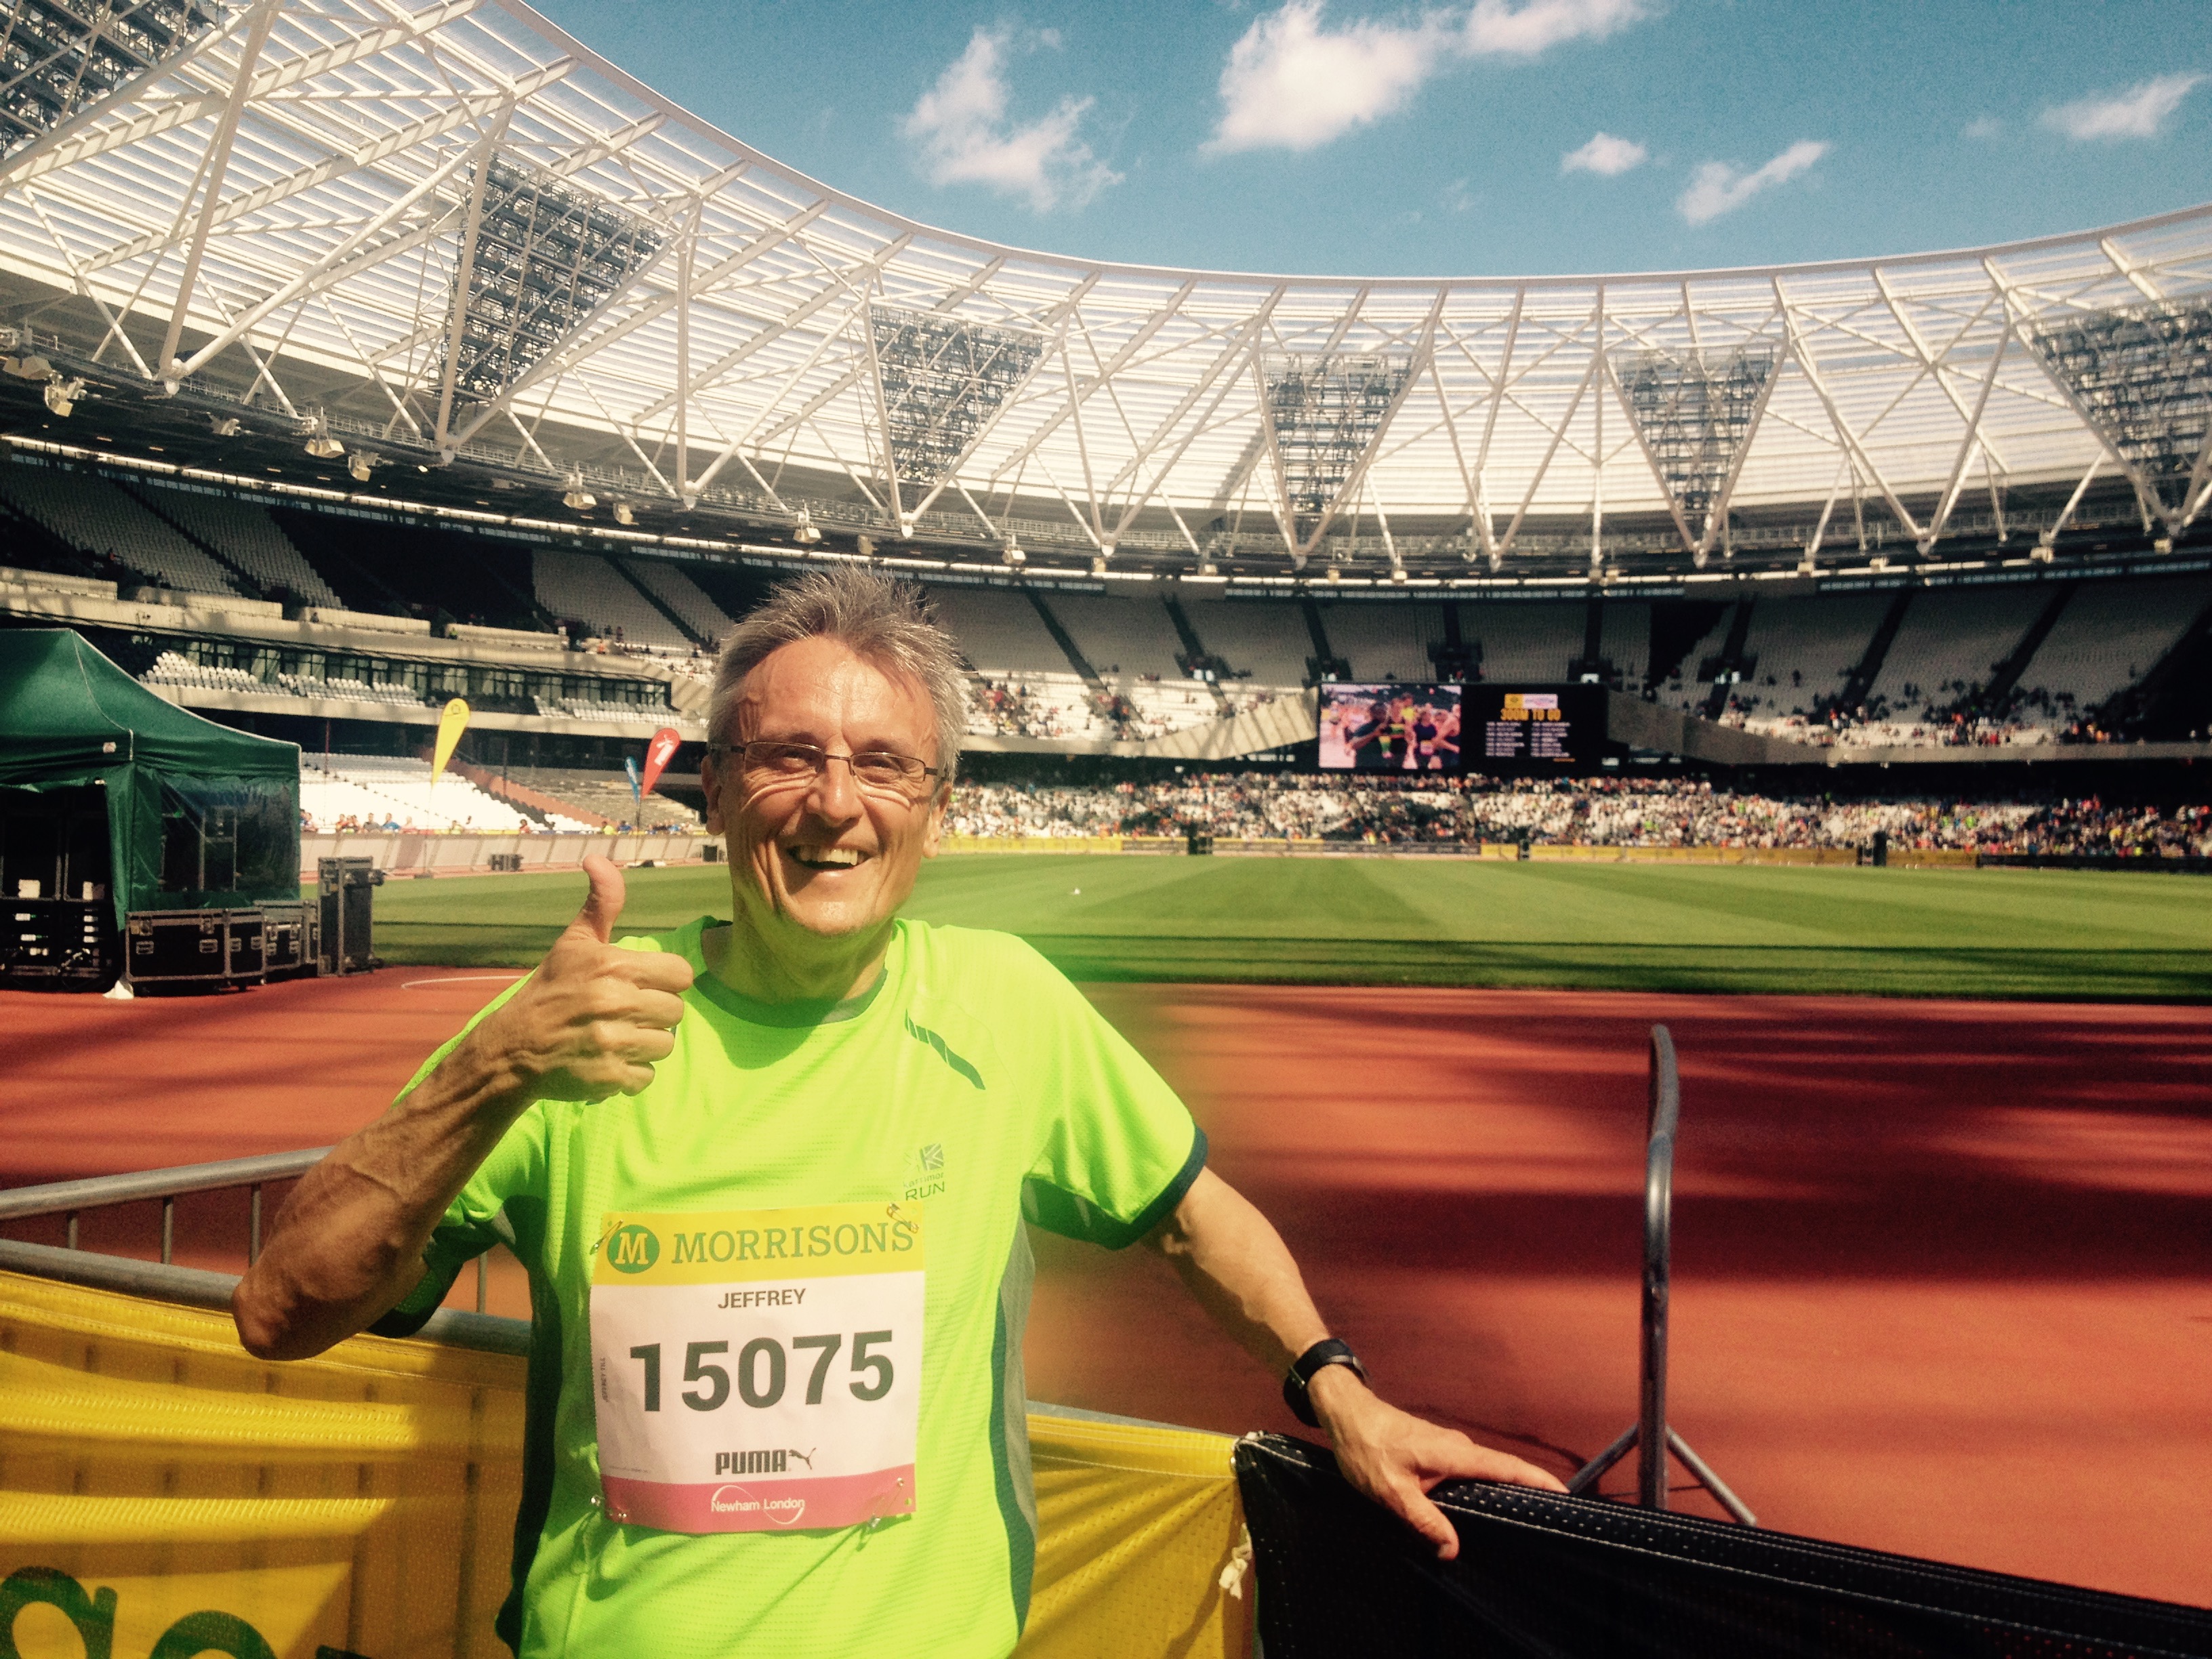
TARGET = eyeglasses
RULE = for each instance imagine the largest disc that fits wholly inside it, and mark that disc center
(879, 771)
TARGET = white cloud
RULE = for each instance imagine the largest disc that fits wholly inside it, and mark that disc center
(1716, 188)
(2138, 112)
(1983, 129)
(1294, 81)
(1497, 29)
(1606, 155)
(965, 138)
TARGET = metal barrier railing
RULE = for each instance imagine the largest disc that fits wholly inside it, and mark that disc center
(1650, 1436)
(71, 1198)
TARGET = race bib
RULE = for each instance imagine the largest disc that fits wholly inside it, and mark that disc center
(758, 1371)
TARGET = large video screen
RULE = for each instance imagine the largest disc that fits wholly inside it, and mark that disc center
(1389, 728)
(1519, 729)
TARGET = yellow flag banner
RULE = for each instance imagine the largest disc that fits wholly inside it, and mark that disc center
(452, 723)
(163, 1495)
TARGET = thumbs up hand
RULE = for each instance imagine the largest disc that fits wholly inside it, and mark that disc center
(593, 1020)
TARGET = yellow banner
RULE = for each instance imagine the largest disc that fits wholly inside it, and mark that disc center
(164, 1494)
(451, 724)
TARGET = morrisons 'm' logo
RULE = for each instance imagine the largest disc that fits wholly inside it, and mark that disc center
(633, 1249)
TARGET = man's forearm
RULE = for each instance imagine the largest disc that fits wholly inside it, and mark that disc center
(1232, 1260)
(348, 1244)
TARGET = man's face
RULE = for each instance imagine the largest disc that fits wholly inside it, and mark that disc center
(820, 852)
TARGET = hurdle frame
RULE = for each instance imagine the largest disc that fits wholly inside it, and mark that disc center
(70, 1199)
(1650, 1436)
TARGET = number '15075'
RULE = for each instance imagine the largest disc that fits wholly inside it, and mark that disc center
(763, 1369)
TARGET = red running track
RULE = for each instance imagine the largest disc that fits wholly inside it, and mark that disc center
(1943, 1271)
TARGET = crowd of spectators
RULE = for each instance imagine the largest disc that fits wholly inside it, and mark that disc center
(1957, 715)
(1577, 811)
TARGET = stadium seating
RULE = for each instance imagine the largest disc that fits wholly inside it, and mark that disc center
(307, 686)
(592, 795)
(379, 789)
(100, 518)
(1951, 642)
(1382, 640)
(1264, 639)
(2109, 635)
(1037, 705)
(1624, 640)
(609, 714)
(1527, 643)
(998, 630)
(676, 590)
(586, 588)
(1120, 634)
(172, 669)
(1804, 649)
(248, 538)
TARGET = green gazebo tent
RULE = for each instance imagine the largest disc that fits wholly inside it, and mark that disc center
(198, 815)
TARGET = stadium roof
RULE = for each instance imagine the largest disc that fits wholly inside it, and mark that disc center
(454, 232)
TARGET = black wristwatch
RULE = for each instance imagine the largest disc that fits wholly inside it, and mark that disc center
(1326, 1352)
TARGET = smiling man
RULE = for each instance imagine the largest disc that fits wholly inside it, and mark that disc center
(770, 1177)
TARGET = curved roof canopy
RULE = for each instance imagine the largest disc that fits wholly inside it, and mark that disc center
(472, 236)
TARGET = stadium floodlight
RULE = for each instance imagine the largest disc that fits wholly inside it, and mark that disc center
(1015, 556)
(224, 426)
(62, 57)
(28, 368)
(624, 513)
(804, 532)
(2141, 376)
(1324, 416)
(547, 257)
(320, 444)
(577, 498)
(1695, 412)
(62, 395)
(943, 379)
(1098, 564)
(362, 464)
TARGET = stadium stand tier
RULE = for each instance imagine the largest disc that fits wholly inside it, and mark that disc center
(375, 790)
(1596, 813)
(248, 540)
(595, 596)
(101, 517)
(593, 797)
(704, 620)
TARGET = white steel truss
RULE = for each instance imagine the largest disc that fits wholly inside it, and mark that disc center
(252, 196)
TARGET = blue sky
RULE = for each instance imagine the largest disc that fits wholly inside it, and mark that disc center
(1481, 138)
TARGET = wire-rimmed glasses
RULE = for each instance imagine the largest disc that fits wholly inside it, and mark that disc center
(772, 762)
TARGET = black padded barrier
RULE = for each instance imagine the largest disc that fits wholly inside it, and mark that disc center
(1539, 1574)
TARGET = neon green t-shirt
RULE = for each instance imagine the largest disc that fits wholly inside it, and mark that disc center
(857, 1167)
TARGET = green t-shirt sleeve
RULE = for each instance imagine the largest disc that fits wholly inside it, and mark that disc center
(477, 1218)
(1119, 1149)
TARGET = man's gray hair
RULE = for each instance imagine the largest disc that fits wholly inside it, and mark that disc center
(881, 620)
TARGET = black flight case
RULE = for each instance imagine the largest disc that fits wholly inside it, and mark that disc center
(57, 944)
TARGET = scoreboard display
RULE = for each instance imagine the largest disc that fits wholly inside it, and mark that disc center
(1533, 729)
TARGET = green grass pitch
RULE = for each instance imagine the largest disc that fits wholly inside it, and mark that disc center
(2025, 933)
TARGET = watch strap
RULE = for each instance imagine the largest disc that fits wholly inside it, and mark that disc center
(1297, 1394)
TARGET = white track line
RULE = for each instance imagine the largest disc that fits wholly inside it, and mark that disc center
(460, 979)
